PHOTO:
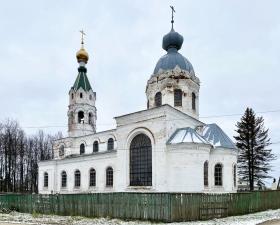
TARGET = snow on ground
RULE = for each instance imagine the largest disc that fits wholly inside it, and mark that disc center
(37, 219)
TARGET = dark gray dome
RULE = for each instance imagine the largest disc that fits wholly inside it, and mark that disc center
(172, 59)
(172, 42)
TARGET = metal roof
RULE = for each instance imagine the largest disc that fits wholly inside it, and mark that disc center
(186, 135)
(216, 136)
(172, 42)
(208, 134)
(82, 80)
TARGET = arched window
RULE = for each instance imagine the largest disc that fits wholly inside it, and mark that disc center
(234, 175)
(92, 178)
(63, 179)
(90, 97)
(158, 99)
(177, 97)
(81, 95)
(109, 177)
(81, 117)
(82, 148)
(72, 96)
(110, 144)
(95, 146)
(90, 118)
(46, 179)
(77, 178)
(141, 161)
(193, 101)
(218, 174)
(206, 173)
(148, 104)
(61, 150)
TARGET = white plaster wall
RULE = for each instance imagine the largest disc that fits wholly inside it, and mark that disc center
(72, 144)
(83, 163)
(175, 168)
(167, 81)
(185, 167)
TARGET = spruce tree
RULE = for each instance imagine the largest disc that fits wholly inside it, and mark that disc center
(252, 141)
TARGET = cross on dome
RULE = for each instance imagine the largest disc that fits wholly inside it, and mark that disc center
(172, 17)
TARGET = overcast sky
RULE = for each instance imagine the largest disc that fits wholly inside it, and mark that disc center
(234, 47)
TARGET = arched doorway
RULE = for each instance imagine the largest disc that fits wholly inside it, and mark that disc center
(141, 161)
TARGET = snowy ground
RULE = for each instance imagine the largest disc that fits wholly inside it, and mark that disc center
(35, 219)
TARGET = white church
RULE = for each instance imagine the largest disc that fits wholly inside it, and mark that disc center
(164, 148)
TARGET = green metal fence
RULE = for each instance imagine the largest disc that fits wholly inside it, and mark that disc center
(168, 207)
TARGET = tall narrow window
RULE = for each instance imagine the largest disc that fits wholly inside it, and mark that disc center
(177, 97)
(90, 118)
(46, 179)
(141, 161)
(72, 96)
(61, 150)
(82, 149)
(234, 175)
(77, 178)
(63, 179)
(110, 144)
(81, 116)
(206, 173)
(92, 178)
(218, 174)
(109, 177)
(193, 101)
(158, 99)
(95, 146)
(81, 95)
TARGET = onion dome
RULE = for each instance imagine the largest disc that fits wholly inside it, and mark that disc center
(172, 42)
(82, 55)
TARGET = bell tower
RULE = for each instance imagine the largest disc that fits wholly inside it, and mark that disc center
(173, 81)
(81, 109)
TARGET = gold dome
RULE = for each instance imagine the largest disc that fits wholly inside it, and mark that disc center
(82, 55)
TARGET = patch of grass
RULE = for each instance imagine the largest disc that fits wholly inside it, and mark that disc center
(35, 214)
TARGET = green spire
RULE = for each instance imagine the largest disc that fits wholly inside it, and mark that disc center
(82, 80)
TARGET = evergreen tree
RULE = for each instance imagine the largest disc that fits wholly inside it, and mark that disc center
(252, 141)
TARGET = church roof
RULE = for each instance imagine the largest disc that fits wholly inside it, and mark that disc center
(207, 134)
(186, 135)
(216, 136)
(82, 80)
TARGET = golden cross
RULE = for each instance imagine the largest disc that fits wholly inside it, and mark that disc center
(173, 11)
(83, 33)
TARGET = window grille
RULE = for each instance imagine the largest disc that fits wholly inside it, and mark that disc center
(109, 177)
(206, 173)
(77, 178)
(141, 161)
(46, 179)
(63, 179)
(177, 97)
(218, 175)
(110, 144)
(92, 178)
